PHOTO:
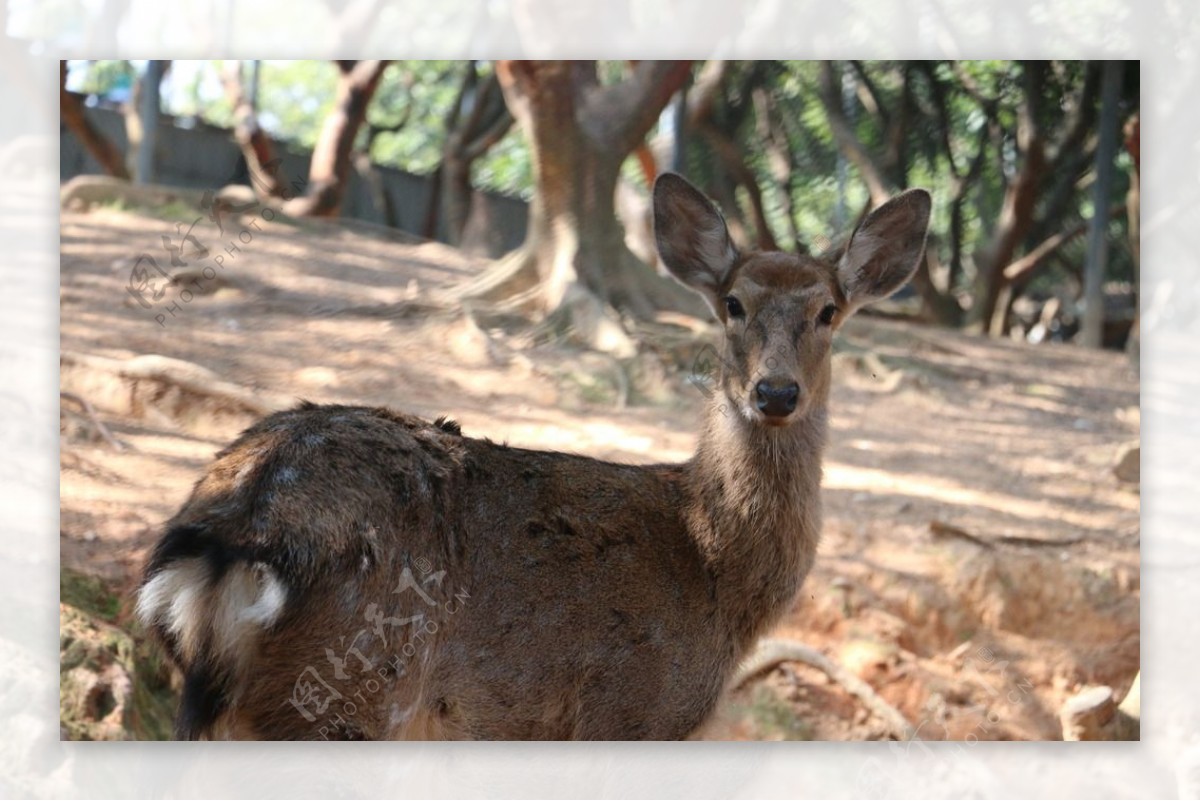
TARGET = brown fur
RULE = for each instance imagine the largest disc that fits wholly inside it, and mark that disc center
(571, 598)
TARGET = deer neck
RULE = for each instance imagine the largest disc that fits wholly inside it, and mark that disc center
(755, 511)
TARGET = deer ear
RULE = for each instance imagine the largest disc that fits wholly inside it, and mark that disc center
(692, 239)
(885, 249)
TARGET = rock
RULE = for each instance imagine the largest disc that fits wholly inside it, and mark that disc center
(1086, 714)
(1092, 714)
(865, 657)
(1128, 463)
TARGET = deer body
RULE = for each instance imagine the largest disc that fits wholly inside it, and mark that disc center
(352, 573)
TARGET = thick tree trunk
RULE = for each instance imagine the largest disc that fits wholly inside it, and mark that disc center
(574, 259)
(329, 171)
(455, 196)
(97, 144)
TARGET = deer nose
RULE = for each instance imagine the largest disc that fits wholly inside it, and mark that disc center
(777, 401)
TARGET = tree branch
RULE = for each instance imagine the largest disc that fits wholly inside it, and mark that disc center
(973, 89)
(489, 137)
(702, 97)
(253, 141)
(331, 158)
(942, 113)
(622, 114)
(71, 108)
(846, 138)
(781, 159)
(1082, 116)
(489, 120)
(1024, 268)
(872, 92)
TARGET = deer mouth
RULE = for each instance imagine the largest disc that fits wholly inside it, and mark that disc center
(767, 421)
(758, 418)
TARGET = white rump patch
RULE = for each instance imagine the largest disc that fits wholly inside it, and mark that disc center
(249, 598)
(175, 598)
(265, 610)
(225, 617)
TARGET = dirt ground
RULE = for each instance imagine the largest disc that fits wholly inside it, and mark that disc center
(980, 560)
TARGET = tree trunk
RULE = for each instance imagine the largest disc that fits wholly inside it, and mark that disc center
(97, 144)
(479, 120)
(1016, 218)
(1042, 158)
(433, 204)
(329, 171)
(847, 139)
(574, 259)
(1092, 332)
(772, 130)
(1133, 203)
(730, 154)
(149, 106)
(1017, 212)
(255, 145)
(456, 195)
(717, 119)
(938, 305)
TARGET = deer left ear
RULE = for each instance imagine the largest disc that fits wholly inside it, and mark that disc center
(884, 251)
(692, 239)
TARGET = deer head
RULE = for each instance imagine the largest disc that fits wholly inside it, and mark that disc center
(779, 310)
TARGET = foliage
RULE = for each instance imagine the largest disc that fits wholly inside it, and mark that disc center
(105, 78)
(422, 92)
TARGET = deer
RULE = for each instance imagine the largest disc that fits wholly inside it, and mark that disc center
(347, 572)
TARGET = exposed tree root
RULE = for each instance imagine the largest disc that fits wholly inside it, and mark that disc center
(771, 653)
(186, 375)
(89, 412)
(512, 276)
(592, 318)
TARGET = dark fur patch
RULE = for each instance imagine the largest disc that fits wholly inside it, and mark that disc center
(193, 542)
(179, 542)
(202, 702)
(448, 425)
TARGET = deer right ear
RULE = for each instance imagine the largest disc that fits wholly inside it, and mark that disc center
(692, 239)
(883, 253)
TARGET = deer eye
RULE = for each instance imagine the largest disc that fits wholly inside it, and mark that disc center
(826, 315)
(734, 307)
